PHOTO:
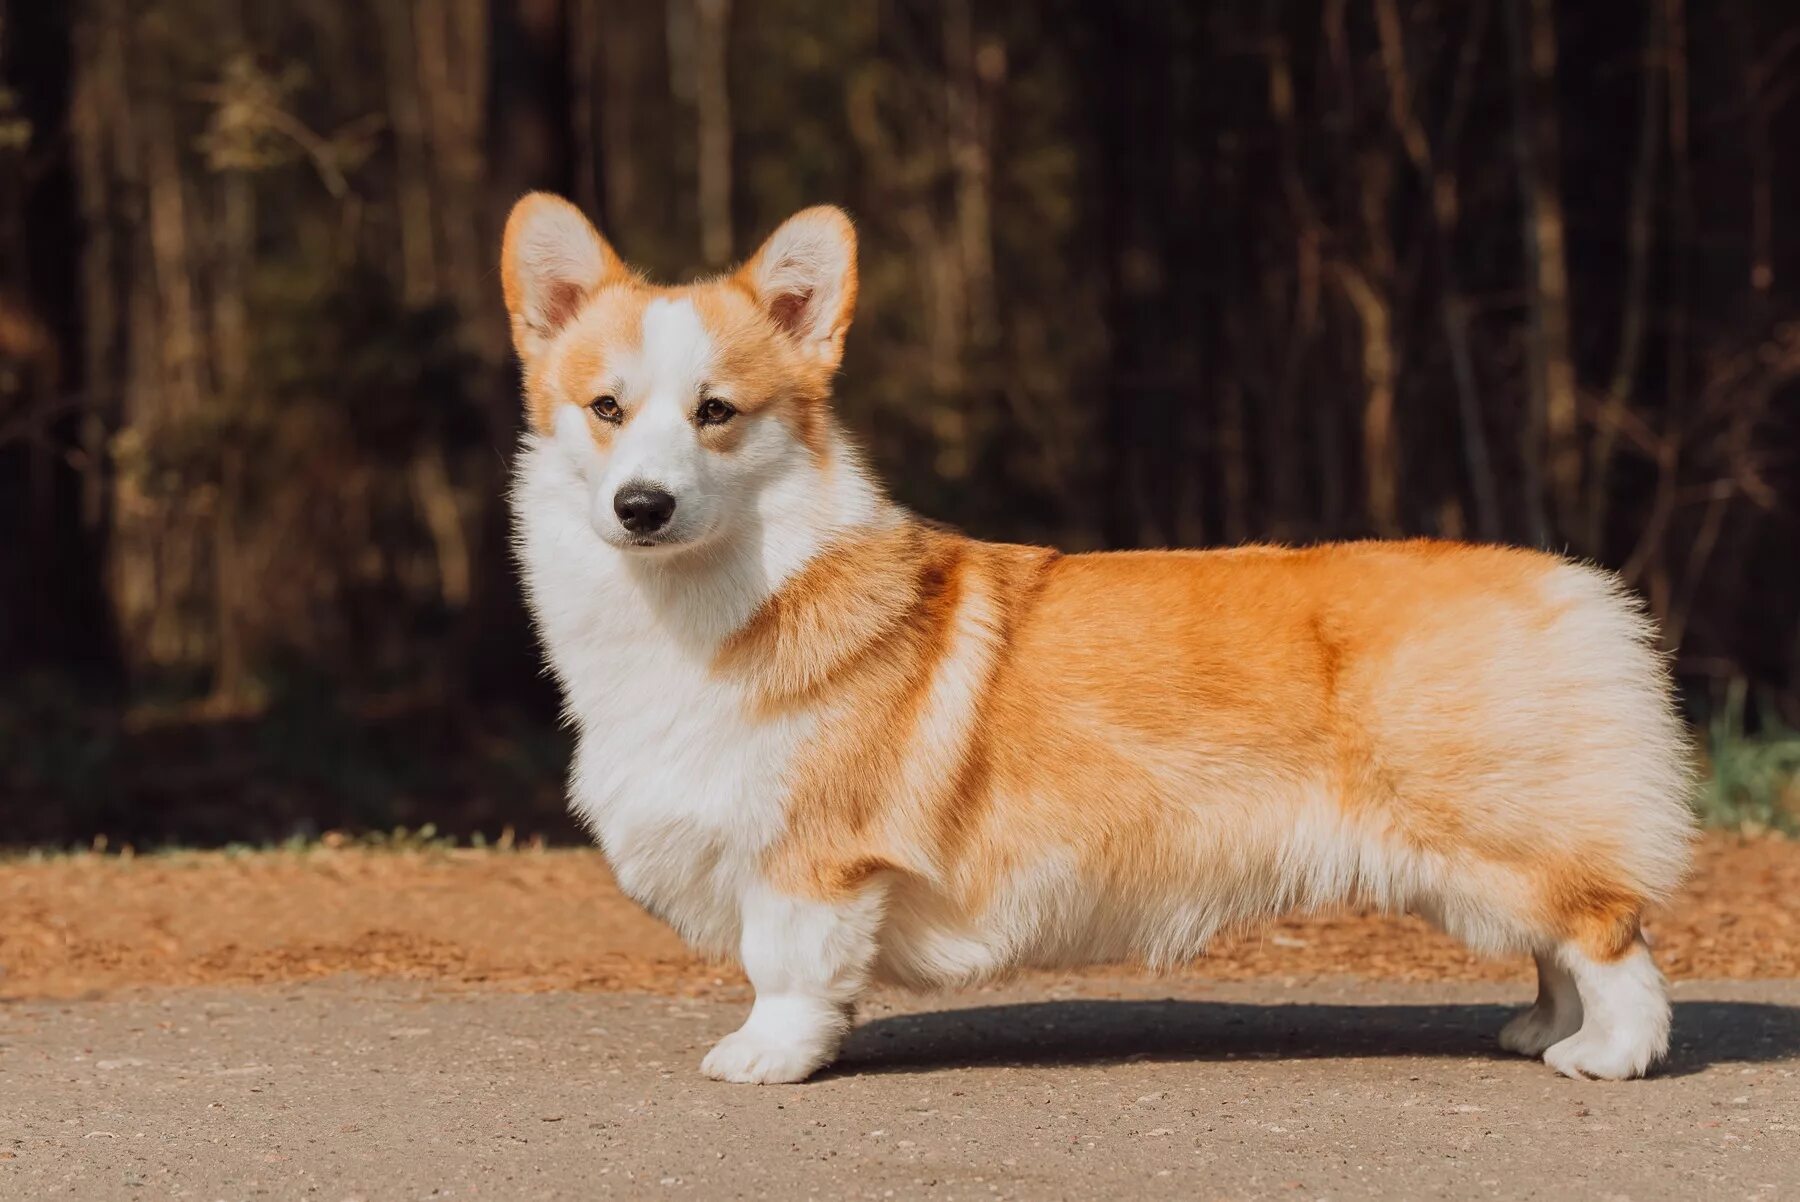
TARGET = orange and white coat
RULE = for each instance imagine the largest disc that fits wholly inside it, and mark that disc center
(846, 746)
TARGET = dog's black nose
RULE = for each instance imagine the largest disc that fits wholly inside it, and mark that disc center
(643, 508)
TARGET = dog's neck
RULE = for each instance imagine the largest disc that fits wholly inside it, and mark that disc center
(706, 596)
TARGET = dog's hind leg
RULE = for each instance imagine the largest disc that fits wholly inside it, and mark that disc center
(1625, 1014)
(1603, 1008)
(1554, 1017)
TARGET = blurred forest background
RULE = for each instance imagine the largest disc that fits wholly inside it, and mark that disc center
(1134, 274)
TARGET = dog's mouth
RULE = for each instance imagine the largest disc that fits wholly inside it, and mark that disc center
(651, 544)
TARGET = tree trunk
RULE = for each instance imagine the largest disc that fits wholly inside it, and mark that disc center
(712, 108)
(160, 571)
(1550, 427)
(1381, 468)
(972, 66)
(412, 183)
(1633, 326)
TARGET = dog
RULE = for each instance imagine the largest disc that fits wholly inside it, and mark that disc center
(850, 747)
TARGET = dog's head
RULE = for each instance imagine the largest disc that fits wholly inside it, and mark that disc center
(678, 404)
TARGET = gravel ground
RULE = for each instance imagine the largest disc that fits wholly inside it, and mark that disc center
(1097, 1088)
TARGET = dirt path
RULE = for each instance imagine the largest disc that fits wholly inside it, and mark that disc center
(525, 920)
(366, 1089)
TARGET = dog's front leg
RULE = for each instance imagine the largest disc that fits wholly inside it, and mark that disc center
(808, 962)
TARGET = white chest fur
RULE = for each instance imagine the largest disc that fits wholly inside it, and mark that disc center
(682, 791)
(675, 775)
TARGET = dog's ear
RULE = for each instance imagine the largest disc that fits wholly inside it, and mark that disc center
(552, 261)
(804, 277)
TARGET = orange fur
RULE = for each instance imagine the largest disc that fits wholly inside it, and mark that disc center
(1132, 700)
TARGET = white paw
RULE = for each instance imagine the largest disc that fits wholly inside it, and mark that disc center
(1601, 1056)
(1531, 1032)
(752, 1058)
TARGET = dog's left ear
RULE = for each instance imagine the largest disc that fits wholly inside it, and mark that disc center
(805, 279)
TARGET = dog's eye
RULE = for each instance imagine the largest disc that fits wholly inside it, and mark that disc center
(714, 412)
(606, 409)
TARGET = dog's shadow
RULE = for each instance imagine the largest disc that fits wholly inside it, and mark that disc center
(1101, 1031)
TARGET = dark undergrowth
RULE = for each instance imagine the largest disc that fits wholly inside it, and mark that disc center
(406, 768)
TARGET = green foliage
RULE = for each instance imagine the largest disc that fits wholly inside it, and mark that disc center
(252, 126)
(338, 343)
(309, 740)
(1753, 778)
(51, 745)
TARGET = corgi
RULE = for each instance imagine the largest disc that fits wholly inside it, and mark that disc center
(848, 747)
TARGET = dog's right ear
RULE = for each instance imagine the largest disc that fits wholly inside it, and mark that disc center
(552, 261)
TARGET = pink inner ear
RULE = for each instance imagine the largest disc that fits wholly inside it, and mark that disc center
(561, 299)
(789, 308)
